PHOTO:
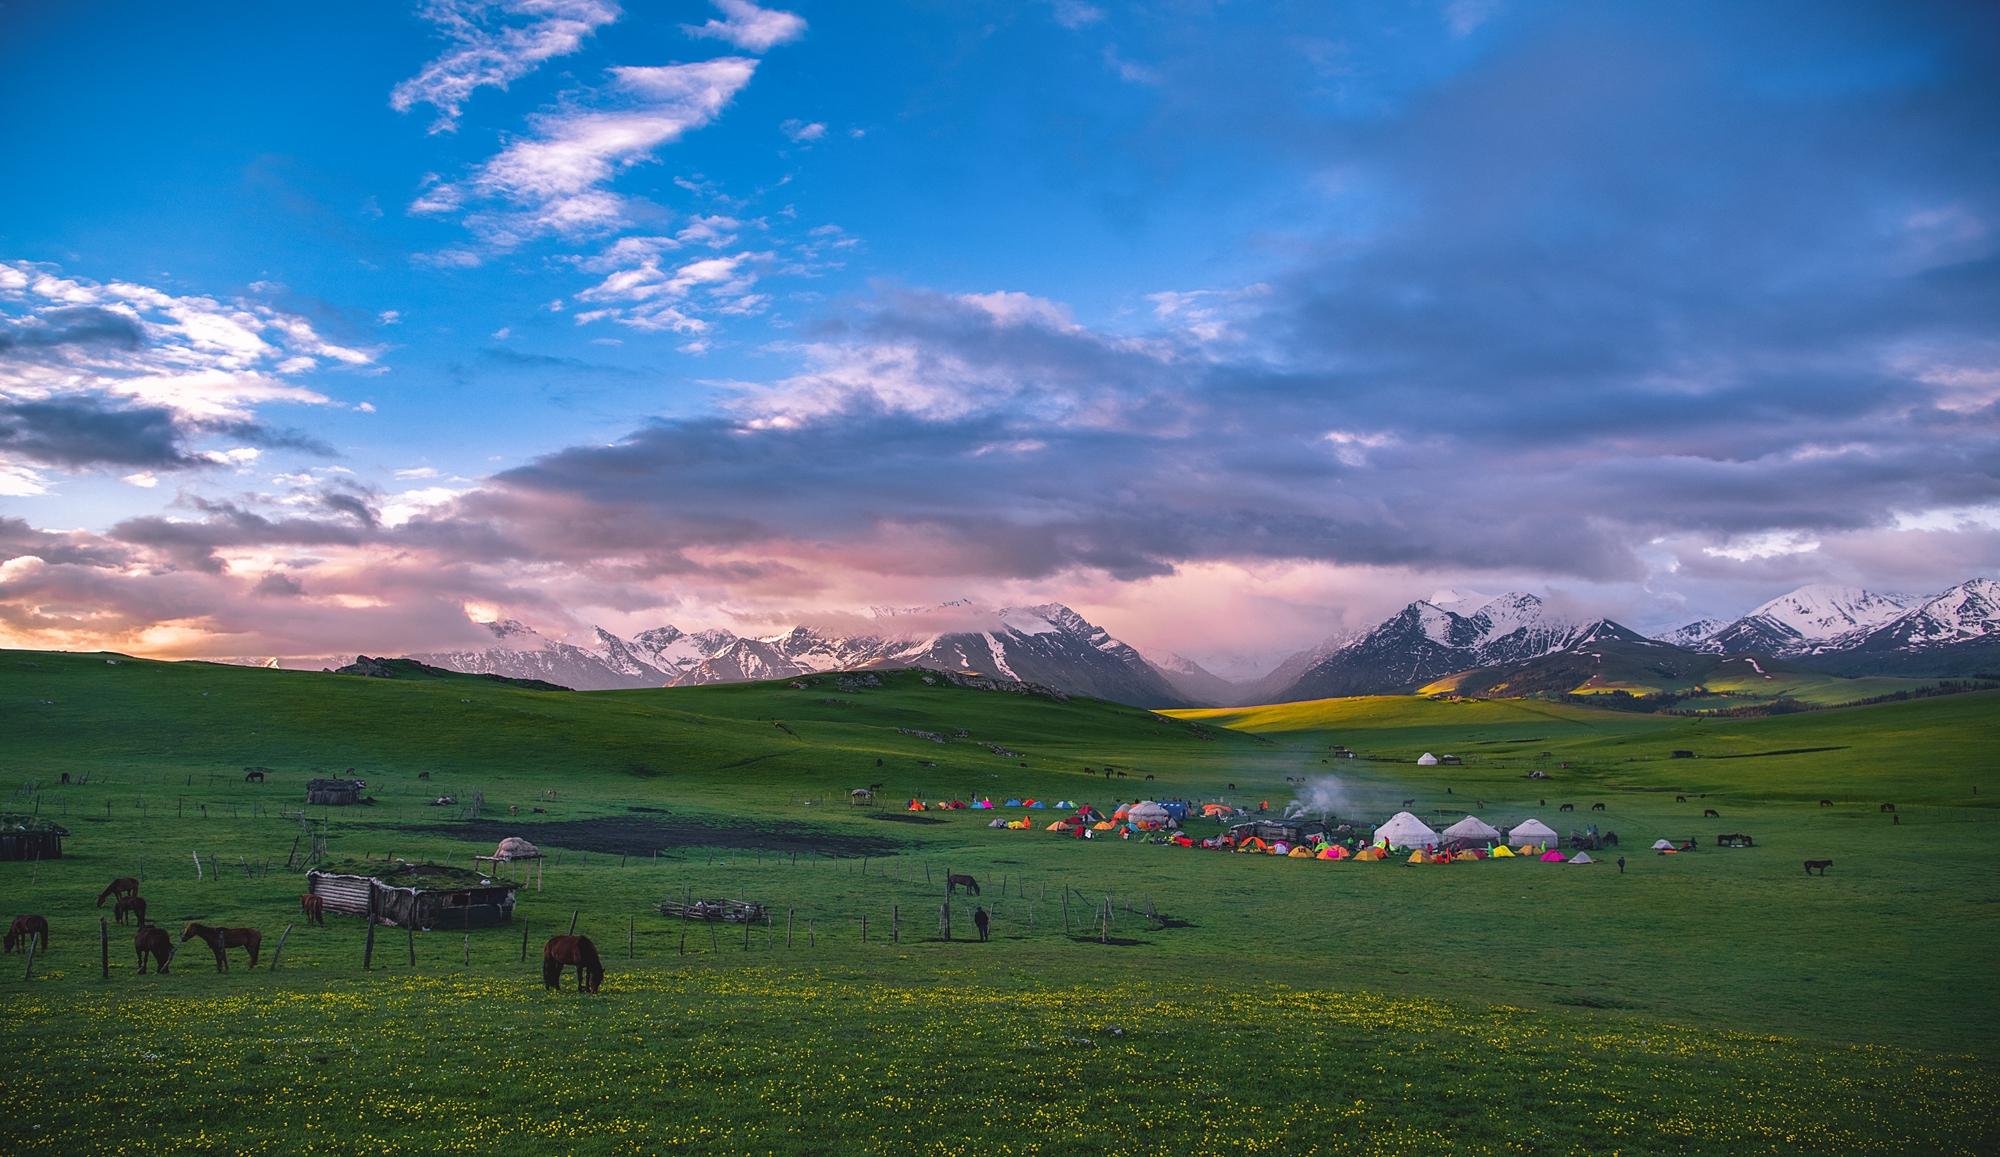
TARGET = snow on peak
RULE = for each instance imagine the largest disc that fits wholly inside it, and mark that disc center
(1458, 600)
(1822, 611)
(1510, 612)
(1692, 633)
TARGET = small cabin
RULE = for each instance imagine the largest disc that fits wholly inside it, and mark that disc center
(1683, 755)
(419, 896)
(334, 792)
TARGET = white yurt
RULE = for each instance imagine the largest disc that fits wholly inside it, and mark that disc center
(1532, 831)
(1148, 814)
(1427, 760)
(1407, 831)
(1471, 830)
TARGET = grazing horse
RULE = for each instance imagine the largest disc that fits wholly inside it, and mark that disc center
(1680, 799)
(1597, 807)
(1568, 807)
(1888, 807)
(423, 775)
(951, 883)
(1822, 865)
(221, 940)
(981, 921)
(134, 905)
(158, 943)
(122, 885)
(1149, 777)
(562, 951)
(1826, 803)
(24, 931)
(1709, 813)
(315, 909)
(253, 776)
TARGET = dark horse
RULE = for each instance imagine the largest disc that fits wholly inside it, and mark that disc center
(1822, 865)
(253, 777)
(158, 943)
(315, 909)
(967, 882)
(221, 940)
(132, 905)
(24, 931)
(563, 951)
(1710, 813)
(123, 885)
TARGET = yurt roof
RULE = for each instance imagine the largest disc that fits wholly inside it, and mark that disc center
(1531, 827)
(1471, 828)
(1404, 828)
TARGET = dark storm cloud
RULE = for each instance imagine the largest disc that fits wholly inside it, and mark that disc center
(83, 431)
(82, 325)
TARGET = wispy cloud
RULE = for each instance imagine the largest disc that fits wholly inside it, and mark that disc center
(494, 43)
(554, 179)
(749, 27)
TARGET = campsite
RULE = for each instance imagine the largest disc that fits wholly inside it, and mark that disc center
(1170, 995)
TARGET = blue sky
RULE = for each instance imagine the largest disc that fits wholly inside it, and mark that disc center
(323, 328)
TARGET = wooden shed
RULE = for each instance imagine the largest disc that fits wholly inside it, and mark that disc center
(28, 838)
(420, 896)
(1270, 831)
(334, 792)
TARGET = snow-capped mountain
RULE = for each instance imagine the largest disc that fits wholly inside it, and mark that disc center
(1420, 643)
(1196, 683)
(1049, 644)
(1806, 621)
(1693, 634)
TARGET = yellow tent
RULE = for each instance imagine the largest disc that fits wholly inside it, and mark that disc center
(1422, 857)
(1368, 854)
(1056, 826)
(1103, 826)
(1299, 854)
(1500, 852)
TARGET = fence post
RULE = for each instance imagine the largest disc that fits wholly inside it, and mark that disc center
(896, 923)
(368, 949)
(524, 941)
(197, 866)
(280, 953)
(32, 938)
(572, 920)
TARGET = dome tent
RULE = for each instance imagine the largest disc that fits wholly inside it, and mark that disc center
(1148, 814)
(1427, 760)
(1662, 845)
(1471, 829)
(1532, 831)
(1407, 831)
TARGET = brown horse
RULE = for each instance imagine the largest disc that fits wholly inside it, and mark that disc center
(130, 905)
(24, 931)
(562, 951)
(315, 909)
(158, 943)
(1822, 865)
(221, 940)
(951, 883)
(123, 885)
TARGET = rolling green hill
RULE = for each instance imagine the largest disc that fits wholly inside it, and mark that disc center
(1735, 957)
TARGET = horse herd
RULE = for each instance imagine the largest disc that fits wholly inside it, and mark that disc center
(149, 940)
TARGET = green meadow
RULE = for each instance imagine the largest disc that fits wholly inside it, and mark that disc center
(1719, 1000)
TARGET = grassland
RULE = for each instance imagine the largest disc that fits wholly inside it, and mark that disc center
(1278, 1005)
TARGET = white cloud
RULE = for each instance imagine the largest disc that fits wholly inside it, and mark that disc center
(552, 180)
(144, 478)
(648, 296)
(21, 482)
(799, 131)
(749, 27)
(389, 317)
(400, 508)
(418, 472)
(1074, 14)
(1767, 544)
(203, 357)
(495, 42)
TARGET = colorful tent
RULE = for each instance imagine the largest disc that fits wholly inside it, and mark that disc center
(997, 823)
(917, 805)
(1501, 853)
(1532, 831)
(1420, 856)
(1146, 813)
(1582, 858)
(1471, 829)
(1057, 826)
(1012, 803)
(1368, 855)
(1065, 803)
(1552, 857)
(1406, 831)
(1299, 854)
(1333, 853)
(1037, 803)
(1103, 826)
(1253, 844)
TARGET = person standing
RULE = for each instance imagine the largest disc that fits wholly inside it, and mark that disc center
(980, 921)
(1621, 865)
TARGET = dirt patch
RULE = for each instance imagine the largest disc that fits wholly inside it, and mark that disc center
(902, 818)
(644, 835)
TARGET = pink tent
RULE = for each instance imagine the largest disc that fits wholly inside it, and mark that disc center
(1552, 857)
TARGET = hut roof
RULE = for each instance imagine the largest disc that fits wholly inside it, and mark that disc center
(516, 848)
(1407, 831)
(1471, 828)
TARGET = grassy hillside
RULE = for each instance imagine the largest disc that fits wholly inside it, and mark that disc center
(1493, 993)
